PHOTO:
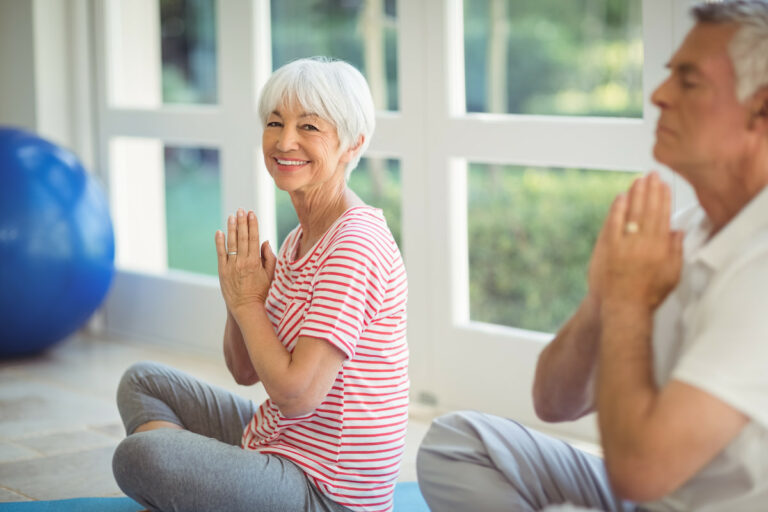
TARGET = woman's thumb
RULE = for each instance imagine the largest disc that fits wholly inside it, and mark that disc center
(268, 258)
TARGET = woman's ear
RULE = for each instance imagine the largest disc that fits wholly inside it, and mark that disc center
(353, 149)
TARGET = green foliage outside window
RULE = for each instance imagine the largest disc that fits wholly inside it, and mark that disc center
(544, 57)
(531, 233)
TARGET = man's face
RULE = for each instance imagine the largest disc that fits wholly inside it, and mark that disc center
(702, 124)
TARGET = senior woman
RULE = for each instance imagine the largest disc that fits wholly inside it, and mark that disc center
(321, 326)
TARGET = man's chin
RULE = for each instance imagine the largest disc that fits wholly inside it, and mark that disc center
(661, 154)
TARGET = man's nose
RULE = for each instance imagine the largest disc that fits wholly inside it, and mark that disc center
(661, 96)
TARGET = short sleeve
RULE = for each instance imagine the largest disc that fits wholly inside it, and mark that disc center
(728, 354)
(347, 293)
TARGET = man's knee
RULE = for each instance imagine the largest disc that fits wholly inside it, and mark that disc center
(448, 436)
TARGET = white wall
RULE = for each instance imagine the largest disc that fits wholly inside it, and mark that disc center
(45, 71)
(17, 64)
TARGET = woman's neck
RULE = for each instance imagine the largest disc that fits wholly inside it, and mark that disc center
(318, 209)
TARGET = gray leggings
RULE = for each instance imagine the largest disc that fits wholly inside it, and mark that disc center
(202, 467)
(505, 466)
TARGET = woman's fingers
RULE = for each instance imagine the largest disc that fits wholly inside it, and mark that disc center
(221, 250)
(242, 234)
(268, 259)
(231, 234)
(253, 236)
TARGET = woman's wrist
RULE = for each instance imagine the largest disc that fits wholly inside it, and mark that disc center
(244, 310)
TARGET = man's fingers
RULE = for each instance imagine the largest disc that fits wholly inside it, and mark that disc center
(636, 202)
(653, 200)
(614, 223)
(665, 209)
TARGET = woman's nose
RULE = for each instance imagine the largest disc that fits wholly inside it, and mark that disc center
(287, 139)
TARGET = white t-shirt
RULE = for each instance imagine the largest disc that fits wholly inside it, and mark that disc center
(712, 333)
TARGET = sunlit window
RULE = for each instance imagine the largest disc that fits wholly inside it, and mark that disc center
(530, 236)
(362, 32)
(188, 32)
(575, 57)
(192, 207)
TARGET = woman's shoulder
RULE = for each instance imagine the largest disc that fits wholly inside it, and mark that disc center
(363, 229)
(364, 222)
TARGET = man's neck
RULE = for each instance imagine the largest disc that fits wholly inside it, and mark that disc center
(724, 191)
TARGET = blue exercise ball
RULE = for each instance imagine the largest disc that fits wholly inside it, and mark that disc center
(57, 247)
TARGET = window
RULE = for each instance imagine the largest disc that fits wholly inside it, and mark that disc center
(548, 57)
(192, 207)
(189, 68)
(503, 129)
(363, 33)
(531, 233)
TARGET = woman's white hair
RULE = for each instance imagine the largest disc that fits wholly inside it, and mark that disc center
(332, 89)
(749, 46)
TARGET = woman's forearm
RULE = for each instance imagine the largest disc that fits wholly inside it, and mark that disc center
(236, 355)
(264, 351)
(296, 381)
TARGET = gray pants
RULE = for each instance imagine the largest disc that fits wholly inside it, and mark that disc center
(478, 462)
(202, 467)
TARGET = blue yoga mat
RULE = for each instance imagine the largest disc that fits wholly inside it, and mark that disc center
(407, 499)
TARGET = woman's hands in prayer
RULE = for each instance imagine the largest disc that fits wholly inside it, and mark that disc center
(246, 267)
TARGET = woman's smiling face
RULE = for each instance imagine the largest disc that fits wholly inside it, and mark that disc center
(301, 150)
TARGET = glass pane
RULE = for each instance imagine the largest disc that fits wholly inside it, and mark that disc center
(361, 32)
(550, 57)
(531, 233)
(188, 31)
(192, 207)
(375, 180)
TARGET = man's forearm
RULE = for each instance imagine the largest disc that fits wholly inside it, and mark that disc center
(562, 386)
(626, 391)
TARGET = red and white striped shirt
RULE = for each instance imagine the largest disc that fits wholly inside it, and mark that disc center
(350, 290)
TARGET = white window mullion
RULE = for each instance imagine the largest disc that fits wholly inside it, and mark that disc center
(598, 143)
(242, 173)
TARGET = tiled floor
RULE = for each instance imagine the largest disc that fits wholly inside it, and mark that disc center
(59, 424)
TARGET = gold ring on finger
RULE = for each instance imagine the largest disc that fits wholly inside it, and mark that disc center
(631, 227)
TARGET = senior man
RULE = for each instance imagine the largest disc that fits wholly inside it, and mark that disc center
(670, 345)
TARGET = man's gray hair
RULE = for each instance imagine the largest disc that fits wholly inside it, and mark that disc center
(332, 89)
(749, 46)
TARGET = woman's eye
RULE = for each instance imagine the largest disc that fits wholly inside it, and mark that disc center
(310, 127)
(273, 124)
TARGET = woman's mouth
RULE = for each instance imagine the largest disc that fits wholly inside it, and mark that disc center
(290, 164)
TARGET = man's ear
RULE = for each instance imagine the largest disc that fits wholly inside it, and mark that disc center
(758, 110)
(352, 150)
